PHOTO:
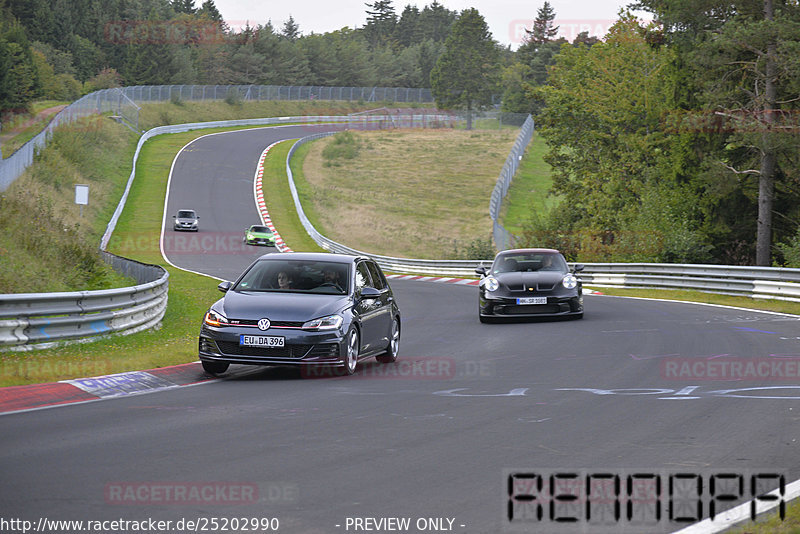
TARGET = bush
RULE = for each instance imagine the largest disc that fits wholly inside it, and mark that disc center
(344, 145)
(107, 78)
(233, 98)
(478, 249)
(790, 251)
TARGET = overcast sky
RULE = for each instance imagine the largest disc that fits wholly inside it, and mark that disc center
(506, 18)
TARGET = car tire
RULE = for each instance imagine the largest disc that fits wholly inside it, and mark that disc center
(484, 319)
(352, 350)
(390, 356)
(215, 368)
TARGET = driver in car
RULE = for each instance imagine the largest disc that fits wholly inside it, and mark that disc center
(331, 278)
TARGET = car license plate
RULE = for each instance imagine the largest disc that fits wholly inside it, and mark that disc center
(532, 300)
(261, 341)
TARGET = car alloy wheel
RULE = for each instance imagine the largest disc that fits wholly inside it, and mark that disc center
(353, 348)
(394, 345)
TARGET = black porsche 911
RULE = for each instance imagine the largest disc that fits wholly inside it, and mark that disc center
(533, 282)
(303, 309)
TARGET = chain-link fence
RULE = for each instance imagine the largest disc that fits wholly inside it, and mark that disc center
(122, 104)
(503, 239)
(162, 93)
(112, 101)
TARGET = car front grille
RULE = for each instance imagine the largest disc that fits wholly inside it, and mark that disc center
(232, 348)
(544, 309)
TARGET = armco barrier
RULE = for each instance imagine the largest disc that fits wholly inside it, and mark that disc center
(756, 282)
(42, 320)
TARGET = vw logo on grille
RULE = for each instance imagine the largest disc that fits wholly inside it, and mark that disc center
(263, 324)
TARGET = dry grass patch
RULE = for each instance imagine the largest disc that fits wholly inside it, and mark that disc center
(407, 193)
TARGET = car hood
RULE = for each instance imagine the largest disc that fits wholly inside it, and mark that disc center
(185, 220)
(277, 306)
(522, 281)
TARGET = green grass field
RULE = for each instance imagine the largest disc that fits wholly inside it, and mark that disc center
(530, 190)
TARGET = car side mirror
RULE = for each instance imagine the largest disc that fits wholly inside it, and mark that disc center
(480, 270)
(370, 293)
(224, 286)
(578, 267)
(174, 216)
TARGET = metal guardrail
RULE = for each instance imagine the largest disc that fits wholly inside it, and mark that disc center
(43, 320)
(757, 282)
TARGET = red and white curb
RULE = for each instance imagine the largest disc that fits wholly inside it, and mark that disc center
(457, 281)
(261, 204)
(15, 399)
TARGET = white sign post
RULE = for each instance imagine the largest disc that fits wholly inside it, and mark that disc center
(81, 196)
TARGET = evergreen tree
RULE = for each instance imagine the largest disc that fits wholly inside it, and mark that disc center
(466, 74)
(408, 31)
(381, 22)
(435, 22)
(209, 9)
(543, 30)
(743, 57)
(184, 6)
(291, 30)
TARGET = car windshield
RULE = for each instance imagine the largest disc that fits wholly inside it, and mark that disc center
(530, 262)
(186, 214)
(260, 229)
(296, 276)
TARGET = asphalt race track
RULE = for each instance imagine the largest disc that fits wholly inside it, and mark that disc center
(431, 439)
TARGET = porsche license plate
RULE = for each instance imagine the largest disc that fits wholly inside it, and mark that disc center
(261, 341)
(532, 300)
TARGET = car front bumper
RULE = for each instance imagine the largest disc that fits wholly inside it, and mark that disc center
(508, 307)
(260, 241)
(301, 347)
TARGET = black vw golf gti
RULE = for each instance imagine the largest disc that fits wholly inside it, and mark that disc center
(307, 309)
(532, 282)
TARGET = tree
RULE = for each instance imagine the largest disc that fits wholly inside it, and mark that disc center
(291, 30)
(408, 30)
(435, 22)
(614, 165)
(209, 8)
(466, 74)
(543, 30)
(744, 56)
(381, 22)
(184, 6)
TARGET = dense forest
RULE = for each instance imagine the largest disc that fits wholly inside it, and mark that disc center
(62, 48)
(675, 140)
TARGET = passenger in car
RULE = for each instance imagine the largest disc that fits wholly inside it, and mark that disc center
(285, 280)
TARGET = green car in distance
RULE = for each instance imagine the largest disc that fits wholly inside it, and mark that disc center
(259, 235)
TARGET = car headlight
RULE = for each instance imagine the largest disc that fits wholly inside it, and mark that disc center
(491, 283)
(569, 281)
(330, 322)
(213, 318)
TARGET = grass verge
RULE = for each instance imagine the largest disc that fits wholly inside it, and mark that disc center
(771, 523)
(530, 190)
(779, 306)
